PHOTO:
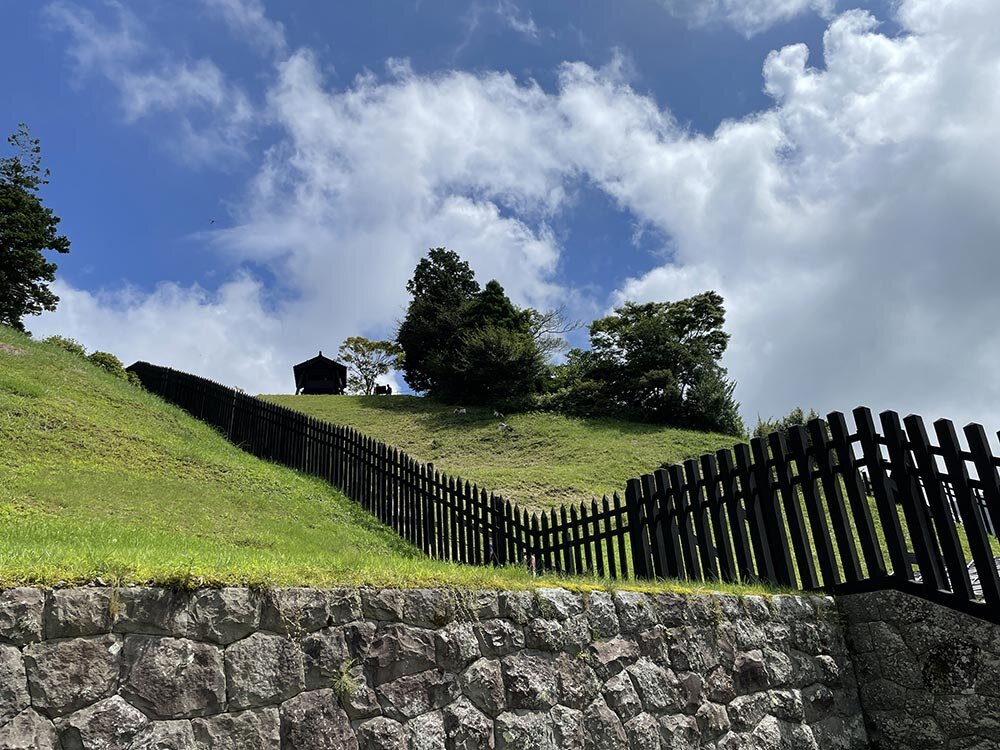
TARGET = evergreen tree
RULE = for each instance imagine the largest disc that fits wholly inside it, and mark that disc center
(27, 227)
(441, 286)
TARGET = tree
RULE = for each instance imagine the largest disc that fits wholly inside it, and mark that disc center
(656, 362)
(495, 358)
(27, 227)
(441, 286)
(548, 329)
(368, 361)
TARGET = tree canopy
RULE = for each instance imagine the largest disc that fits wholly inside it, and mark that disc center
(27, 227)
(466, 344)
(367, 361)
(657, 362)
(441, 286)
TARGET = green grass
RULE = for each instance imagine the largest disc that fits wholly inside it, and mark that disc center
(101, 479)
(546, 461)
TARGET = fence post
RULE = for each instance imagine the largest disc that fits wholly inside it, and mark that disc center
(499, 518)
(638, 538)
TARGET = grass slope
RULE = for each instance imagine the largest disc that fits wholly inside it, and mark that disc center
(100, 479)
(547, 460)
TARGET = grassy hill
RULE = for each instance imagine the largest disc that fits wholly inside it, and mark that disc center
(101, 479)
(547, 460)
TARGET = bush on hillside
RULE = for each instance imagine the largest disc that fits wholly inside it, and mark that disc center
(70, 345)
(108, 362)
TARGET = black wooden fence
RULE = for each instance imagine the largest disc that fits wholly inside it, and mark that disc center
(790, 509)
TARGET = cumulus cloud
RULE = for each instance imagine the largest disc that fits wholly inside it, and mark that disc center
(749, 17)
(212, 117)
(850, 226)
(218, 333)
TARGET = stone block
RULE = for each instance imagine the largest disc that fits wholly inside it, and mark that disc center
(602, 614)
(499, 637)
(329, 652)
(259, 729)
(558, 604)
(165, 735)
(456, 646)
(429, 608)
(29, 730)
(524, 730)
(69, 674)
(13, 684)
(636, 611)
(602, 728)
(315, 721)
(295, 611)
(466, 727)
(22, 612)
(110, 723)
(567, 727)
(482, 683)
(416, 694)
(263, 669)
(381, 734)
(75, 612)
(608, 658)
(426, 732)
(173, 678)
(401, 650)
(657, 687)
(530, 681)
(223, 615)
(151, 610)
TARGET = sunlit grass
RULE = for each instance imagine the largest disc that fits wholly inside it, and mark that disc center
(547, 460)
(99, 479)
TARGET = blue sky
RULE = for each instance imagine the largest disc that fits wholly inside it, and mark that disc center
(245, 182)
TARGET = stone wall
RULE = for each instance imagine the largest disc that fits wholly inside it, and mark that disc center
(929, 677)
(146, 668)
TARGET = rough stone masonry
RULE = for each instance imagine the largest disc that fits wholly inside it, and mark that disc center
(384, 669)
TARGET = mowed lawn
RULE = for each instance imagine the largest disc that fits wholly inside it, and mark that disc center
(547, 459)
(99, 479)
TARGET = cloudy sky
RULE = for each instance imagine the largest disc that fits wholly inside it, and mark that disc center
(246, 182)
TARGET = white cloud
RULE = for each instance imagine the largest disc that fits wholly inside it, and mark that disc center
(749, 17)
(248, 18)
(851, 227)
(211, 117)
(218, 333)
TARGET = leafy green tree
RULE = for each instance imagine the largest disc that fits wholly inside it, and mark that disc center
(27, 227)
(441, 286)
(496, 357)
(367, 361)
(656, 362)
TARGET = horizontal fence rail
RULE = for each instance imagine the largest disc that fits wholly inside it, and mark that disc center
(821, 507)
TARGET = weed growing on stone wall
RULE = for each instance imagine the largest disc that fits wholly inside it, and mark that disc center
(344, 684)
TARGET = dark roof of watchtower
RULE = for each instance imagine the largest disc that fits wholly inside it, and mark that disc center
(319, 361)
(320, 375)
